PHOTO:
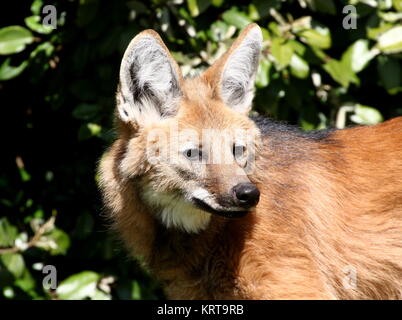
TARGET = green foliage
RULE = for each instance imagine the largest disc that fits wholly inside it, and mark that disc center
(57, 92)
(80, 286)
(13, 39)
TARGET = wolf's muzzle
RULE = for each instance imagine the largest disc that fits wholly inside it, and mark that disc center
(228, 214)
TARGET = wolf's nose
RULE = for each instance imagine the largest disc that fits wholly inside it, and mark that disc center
(246, 194)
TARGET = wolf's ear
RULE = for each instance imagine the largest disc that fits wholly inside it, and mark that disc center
(234, 73)
(150, 80)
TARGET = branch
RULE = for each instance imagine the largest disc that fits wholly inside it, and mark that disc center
(48, 225)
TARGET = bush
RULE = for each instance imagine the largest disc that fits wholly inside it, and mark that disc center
(57, 91)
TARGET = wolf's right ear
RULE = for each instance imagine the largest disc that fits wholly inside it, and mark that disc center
(150, 80)
(233, 74)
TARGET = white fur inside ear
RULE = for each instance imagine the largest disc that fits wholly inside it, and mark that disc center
(149, 83)
(239, 72)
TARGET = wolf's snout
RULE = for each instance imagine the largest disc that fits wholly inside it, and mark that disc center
(246, 195)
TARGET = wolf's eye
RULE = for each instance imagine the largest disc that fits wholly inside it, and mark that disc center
(193, 154)
(238, 150)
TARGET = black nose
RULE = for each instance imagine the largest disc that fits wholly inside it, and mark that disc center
(246, 195)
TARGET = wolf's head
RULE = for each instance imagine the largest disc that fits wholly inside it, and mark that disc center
(190, 147)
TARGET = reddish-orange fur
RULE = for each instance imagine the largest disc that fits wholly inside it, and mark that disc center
(326, 205)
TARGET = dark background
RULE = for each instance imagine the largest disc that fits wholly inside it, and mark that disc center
(57, 100)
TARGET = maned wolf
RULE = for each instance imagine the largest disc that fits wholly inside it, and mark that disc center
(221, 206)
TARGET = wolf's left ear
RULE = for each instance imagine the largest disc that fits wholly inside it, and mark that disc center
(150, 80)
(234, 73)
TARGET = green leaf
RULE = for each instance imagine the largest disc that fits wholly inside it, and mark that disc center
(8, 72)
(135, 291)
(8, 233)
(186, 16)
(45, 48)
(26, 282)
(341, 72)
(317, 37)
(391, 40)
(100, 295)
(89, 130)
(25, 176)
(298, 47)
(196, 7)
(219, 31)
(282, 52)
(262, 78)
(61, 239)
(358, 55)
(299, 67)
(36, 7)
(55, 241)
(34, 23)
(13, 39)
(384, 4)
(14, 263)
(253, 12)
(391, 16)
(236, 18)
(389, 73)
(217, 3)
(374, 33)
(323, 121)
(397, 5)
(306, 125)
(366, 115)
(312, 32)
(274, 28)
(78, 286)
(94, 129)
